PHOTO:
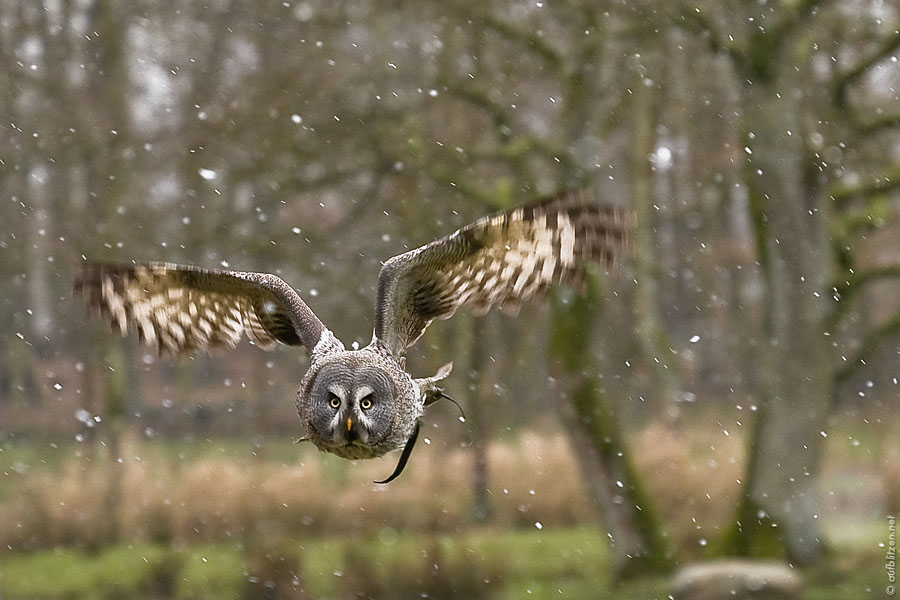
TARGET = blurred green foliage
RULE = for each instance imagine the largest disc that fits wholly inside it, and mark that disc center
(567, 563)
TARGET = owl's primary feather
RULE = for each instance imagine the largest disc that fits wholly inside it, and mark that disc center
(180, 309)
(362, 403)
(501, 260)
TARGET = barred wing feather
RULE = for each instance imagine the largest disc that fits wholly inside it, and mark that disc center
(500, 260)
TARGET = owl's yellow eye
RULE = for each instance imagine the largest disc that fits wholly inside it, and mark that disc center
(365, 403)
(335, 402)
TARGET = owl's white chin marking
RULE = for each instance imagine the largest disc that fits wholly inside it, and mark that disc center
(349, 432)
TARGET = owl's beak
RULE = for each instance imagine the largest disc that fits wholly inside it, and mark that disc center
(355, 430)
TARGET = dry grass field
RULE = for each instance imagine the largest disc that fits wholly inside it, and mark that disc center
(211, 518)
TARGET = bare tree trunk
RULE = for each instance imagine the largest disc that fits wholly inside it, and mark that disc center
(781, 500)
(27, 105)
(104, 162)
(40, 294)
(652, 336)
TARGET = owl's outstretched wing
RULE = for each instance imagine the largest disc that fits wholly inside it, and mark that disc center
(181, 309)
(500, 260)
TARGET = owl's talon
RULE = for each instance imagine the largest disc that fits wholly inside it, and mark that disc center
(439, 393)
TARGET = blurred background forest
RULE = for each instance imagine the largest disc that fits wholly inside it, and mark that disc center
(732, 393)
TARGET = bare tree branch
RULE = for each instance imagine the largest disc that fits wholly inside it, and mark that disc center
(798, 13)
(481, 99)
(852, 285)
(870, 344)
(694, 21)
(843, 81)
(763, 48)
(843, 194)
(531, 40)
(874, 126)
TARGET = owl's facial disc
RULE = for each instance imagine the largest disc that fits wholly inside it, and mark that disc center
(351, 409)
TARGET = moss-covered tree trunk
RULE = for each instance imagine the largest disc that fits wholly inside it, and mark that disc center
(637, 542)
(479, 375)
(472, 342)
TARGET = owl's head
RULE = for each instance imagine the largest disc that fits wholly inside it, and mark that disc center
(353, 406)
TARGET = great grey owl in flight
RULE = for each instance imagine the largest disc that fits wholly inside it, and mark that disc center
(362, 403)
